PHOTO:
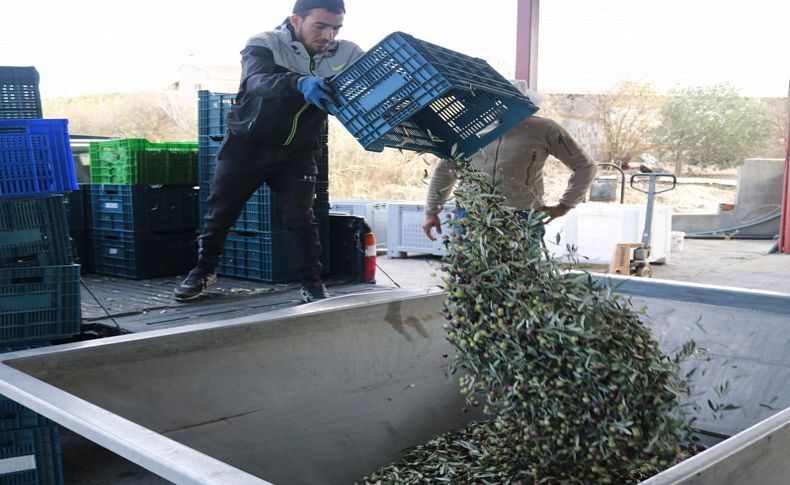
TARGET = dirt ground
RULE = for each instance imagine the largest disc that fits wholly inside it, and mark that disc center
(692, 196)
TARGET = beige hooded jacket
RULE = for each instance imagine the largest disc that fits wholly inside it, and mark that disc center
(515, 163)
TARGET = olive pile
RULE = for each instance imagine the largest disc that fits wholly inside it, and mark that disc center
(578, 390)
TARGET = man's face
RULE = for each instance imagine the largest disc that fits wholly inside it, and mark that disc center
(317, 31)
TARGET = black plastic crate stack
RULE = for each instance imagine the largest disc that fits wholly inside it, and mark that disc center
(143, 230)
(258, 245)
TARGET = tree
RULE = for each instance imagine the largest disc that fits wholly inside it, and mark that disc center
(712, 125)
(627, 114)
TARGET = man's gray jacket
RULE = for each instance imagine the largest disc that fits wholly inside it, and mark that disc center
(269, 108)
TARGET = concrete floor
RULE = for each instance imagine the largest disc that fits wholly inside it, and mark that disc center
(738, 262)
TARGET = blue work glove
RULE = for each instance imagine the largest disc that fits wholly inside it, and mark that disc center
(316, 91)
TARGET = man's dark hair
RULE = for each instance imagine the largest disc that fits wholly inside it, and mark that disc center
(303, 8)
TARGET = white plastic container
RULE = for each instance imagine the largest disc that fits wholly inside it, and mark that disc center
(596, 228)
(404, 229)
(405, 233)
(374, 212)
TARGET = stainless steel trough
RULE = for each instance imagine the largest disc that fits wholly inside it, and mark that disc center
(327, 392)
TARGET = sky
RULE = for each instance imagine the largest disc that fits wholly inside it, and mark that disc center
(100, 46)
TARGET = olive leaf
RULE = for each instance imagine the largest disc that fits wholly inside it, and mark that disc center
(575, 387)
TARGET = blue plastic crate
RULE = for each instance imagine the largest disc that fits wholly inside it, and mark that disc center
(258, 256)
(16, 416)
(34, 232)
(35, 158)
(39, 303)
(19, 94)
(262, 211)
(207, 159)
(267, 256)
(144, 207)
(411, 94)
(142, 254)
(212, 110)
(31, 456)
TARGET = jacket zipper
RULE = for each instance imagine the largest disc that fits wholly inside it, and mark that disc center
(295, 122)
(530, 168)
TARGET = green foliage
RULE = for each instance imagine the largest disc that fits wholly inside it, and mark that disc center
(577, 388)
(712, 126)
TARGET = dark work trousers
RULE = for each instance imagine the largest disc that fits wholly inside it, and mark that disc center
(290, 172)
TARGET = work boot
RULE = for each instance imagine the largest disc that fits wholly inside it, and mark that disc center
(313, 291)
(196, 281)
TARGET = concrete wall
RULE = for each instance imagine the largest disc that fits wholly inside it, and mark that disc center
(758, 194)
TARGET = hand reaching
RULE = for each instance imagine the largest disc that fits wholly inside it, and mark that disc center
(316, 91)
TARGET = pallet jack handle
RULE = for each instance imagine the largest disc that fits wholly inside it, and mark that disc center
(651, 196)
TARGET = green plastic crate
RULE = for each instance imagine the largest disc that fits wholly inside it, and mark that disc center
(138, 161)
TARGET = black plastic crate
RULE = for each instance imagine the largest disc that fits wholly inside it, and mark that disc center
(39, 303)
(142, 254)
(144, 207)
(19, 94)
(34, 232)
(411, 94)
(79, 245)
(36, 455)
(75, 208)
(348, 250)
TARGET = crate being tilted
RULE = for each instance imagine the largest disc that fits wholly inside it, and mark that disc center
(411, 94)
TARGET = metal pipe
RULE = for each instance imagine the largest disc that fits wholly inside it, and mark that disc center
(713, 233)
(784, 224)
(527, 42)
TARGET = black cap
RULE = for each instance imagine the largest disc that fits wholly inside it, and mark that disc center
(331, 5)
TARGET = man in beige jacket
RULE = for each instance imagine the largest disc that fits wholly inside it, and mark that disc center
(515, 164)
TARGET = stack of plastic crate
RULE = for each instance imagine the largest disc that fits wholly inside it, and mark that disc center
(258, 244)
(410, 94)
(29, 446)
(39, 284)
(143, 207)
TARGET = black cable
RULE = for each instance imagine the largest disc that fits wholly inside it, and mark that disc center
(388, 276)
(118, 327)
